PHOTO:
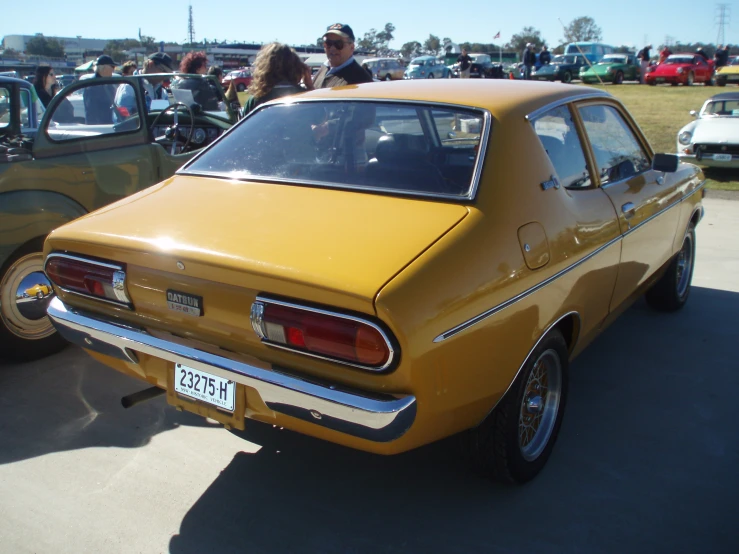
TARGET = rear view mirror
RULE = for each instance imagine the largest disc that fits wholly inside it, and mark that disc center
(665, 162)
(693, 113)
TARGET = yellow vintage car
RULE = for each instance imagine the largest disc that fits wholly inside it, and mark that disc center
(39, 291)
(382, 266)
(728, 73)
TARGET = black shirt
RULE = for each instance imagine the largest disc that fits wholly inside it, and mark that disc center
(464, 62)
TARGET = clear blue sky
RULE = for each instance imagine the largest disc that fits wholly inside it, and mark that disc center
(629, 22)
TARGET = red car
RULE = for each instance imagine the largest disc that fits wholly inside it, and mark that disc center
(241, 79)
(684, 68)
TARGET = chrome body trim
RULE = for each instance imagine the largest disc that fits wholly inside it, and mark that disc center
(119, 283)
(266, 300)
(562, 101)
(526, 359)
(472, 191)
(257, 319)
(470, 322)
(370, 416)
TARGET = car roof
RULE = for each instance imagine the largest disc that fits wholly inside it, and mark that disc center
(11, 80)
(502, 97)
(724, 96)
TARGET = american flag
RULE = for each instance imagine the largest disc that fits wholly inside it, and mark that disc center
(497, 36)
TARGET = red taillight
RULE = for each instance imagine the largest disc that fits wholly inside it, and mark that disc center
(91, 278)
(336, 336)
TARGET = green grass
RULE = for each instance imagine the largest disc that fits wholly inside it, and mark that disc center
(662, 110)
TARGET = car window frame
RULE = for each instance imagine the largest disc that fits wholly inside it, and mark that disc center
(470, 198)
(631, 125)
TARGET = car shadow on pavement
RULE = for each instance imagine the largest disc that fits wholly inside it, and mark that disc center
(68, 401)
(646, 462)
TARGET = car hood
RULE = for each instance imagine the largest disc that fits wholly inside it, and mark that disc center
(260, 236)
(550, 69)
(718, 129)
(728, 70)
(671, 69)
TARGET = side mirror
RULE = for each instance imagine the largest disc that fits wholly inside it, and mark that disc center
(665, 162)
(693, 113)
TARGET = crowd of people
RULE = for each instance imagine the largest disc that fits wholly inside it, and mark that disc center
(277, 71)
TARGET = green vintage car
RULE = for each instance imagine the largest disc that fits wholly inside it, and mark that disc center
(92, 147)
(612, 68)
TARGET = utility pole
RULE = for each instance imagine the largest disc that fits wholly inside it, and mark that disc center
(723, 12)
(190, 27)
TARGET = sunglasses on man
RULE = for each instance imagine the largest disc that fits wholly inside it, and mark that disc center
(338, 44)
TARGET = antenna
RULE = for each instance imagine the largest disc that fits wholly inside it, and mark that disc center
(723, 12)
(190, 26)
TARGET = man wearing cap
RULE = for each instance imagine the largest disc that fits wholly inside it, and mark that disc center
(340, 68)
(156, 63)
(98, 99)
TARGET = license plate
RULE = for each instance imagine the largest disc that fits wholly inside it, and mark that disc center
(204, 386)
(660, 80)
(722, 157)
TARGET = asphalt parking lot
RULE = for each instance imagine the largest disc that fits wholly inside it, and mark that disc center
(646, 460)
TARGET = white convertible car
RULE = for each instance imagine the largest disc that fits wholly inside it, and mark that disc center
(713, 138)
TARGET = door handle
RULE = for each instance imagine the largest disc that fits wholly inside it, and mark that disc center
(628, 210)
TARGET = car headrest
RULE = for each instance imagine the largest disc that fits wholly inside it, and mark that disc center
(397, 147)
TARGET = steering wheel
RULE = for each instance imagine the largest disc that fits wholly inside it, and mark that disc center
(172, 134)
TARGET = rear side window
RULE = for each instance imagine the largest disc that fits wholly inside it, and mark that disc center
(617, 151)
(4, 107)
(558, 136)
(394, 147)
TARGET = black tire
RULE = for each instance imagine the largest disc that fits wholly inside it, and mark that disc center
(567, 77)
(431, 76)
(690, 79)
(721, 82)
(388, 77)
(619, 78)
(241, 87)
(654, 83)
(495, 446)
(23, 337)
(671, 292)
(711, 82)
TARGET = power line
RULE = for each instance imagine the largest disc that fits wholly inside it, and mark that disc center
(723, 14)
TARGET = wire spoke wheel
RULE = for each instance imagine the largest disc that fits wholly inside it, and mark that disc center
(684, 266)
(540, 405)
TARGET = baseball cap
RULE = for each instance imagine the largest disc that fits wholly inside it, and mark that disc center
(341, 29)
(105, 60)
(160, 58)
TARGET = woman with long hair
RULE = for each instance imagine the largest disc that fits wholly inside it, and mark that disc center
(45, 84)
(277, 72)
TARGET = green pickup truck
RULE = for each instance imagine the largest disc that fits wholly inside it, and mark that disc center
(98, 141)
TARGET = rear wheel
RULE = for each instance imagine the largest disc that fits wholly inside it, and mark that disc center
(671, 292)
(712, 81)
(26, 332)
(567, 77)
(690, 79)
(619, 78)
(388, 78)
(515, 441)
(431, 75)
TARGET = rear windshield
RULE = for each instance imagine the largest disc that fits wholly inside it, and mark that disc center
(385, 147)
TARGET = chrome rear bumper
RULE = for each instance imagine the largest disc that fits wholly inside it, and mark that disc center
(374, 417)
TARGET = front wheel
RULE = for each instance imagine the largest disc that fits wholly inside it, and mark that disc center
(567, 77)
(431, 76)
(619, 78)
(515, 441)
(241, 87)
(721, 82)
(690, 79)
(671, 292)
(26, 332)
(388, 78)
